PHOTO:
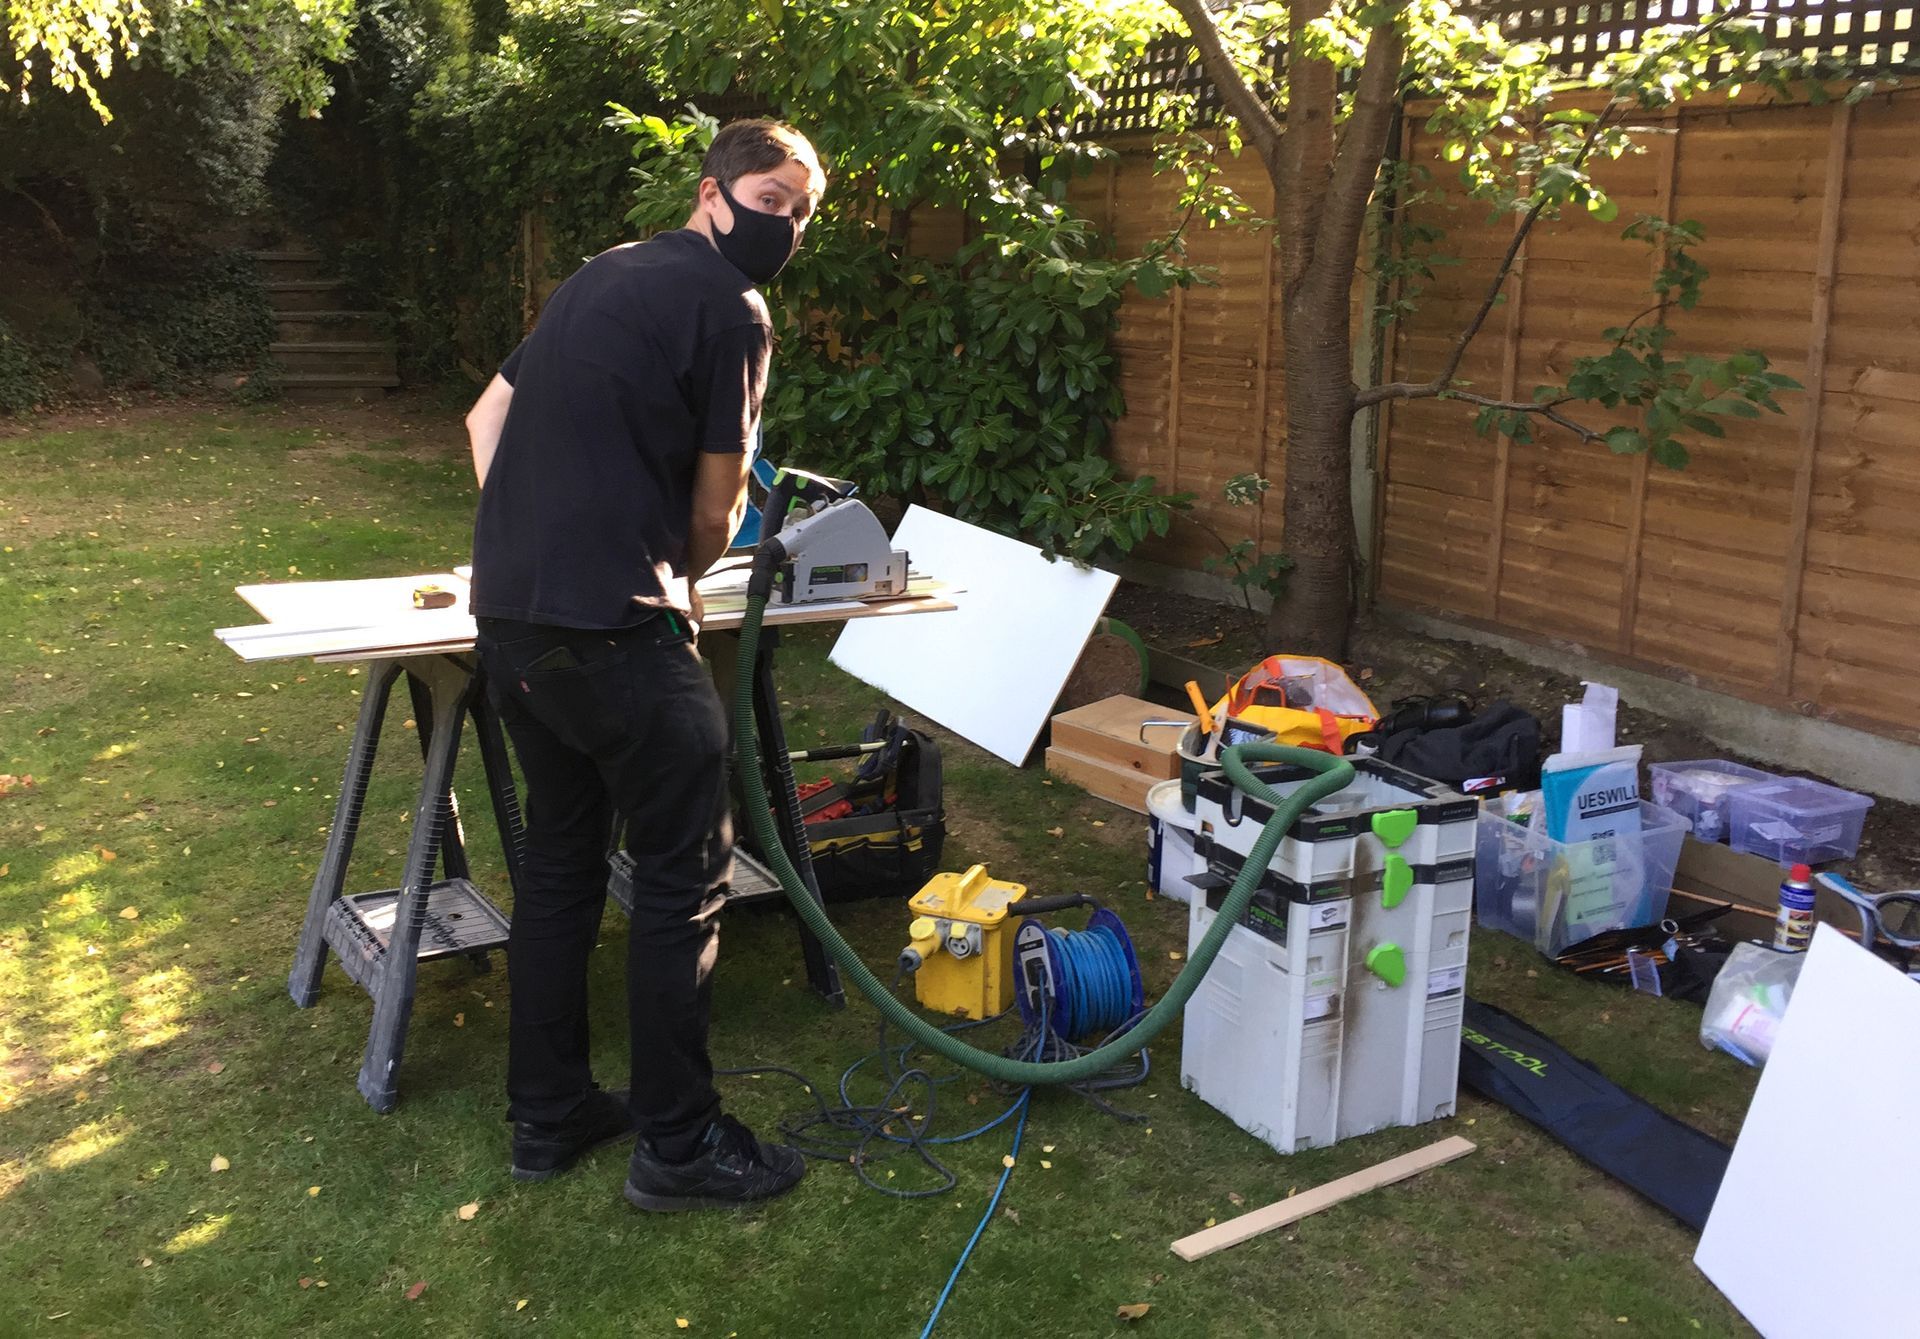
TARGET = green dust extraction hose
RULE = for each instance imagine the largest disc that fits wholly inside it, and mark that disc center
(1333, 774)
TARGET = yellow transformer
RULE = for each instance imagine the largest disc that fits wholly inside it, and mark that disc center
(961, 952)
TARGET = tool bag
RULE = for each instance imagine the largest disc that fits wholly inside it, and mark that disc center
(1307, 702)
(881, 834)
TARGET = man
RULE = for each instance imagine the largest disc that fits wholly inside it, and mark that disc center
(611, 451)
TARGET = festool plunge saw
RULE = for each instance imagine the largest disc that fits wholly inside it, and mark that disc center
(834, 546)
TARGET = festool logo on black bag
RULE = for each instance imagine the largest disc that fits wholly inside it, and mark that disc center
(1526, 1062)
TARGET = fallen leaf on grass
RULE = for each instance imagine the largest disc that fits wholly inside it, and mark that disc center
(312, 1191)
(413, 1293)
(681, 1322)
(1132, 1310)
(1176, 955)
(1007, 1161)
(214, 1066)
(1013, 1214)
(107, 855)
(1210, 1222)
(305, 1282)
(1046, 1148)
(459, 1020)
(1056, 832)
(1045, 1165)
(467, 1211)
(219, 1163)
(146, 1262)
(1236, 1197)
(520, 1305)
(9, 783)
(129, 913)
(5, 870)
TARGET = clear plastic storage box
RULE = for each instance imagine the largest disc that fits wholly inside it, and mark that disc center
(1698, 791)
(1556, 894)
(1796, 821)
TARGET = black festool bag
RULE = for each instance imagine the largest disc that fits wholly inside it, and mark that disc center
(880, 834)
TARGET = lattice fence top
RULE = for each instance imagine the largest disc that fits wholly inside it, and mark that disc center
(1866, 35)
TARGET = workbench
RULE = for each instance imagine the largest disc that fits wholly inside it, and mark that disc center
(381, 937)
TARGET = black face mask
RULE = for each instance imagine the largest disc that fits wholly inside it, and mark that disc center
(760, 245)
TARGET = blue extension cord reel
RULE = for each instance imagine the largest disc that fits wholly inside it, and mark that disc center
(1085, 983)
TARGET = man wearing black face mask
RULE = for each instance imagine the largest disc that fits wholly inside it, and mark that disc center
(611, 451)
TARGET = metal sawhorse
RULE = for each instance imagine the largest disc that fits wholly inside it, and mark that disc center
(382, 937)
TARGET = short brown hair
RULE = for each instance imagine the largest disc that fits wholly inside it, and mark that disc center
(745, 147)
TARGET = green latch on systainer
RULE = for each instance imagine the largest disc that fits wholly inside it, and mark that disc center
(1396, 877)
(1387, 962)
(1393, 826)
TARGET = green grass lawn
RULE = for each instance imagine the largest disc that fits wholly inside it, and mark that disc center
(152, 881)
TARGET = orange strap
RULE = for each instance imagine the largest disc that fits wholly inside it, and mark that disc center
(1330, 731)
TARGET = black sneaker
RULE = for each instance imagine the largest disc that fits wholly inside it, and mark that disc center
(731, 1168)
(543, 1151)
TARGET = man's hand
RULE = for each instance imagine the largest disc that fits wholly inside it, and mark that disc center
(697, 608)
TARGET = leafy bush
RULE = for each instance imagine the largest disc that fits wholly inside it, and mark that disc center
(165, 320)
(23, 374)
(973, 375)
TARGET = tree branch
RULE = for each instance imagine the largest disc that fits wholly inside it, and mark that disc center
(1549, 410)
(1416, 390)
(47, 219)
(1257, 122)
(1356, 163)
(1304, 170)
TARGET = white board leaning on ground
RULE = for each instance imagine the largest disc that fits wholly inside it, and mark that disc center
(1808, 1234)
(991, 671)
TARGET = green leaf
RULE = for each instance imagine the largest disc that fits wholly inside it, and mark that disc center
(1671, 454)
(1625, 441)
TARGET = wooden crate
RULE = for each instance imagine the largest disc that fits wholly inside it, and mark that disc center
(1108, 732)
(1111, 782)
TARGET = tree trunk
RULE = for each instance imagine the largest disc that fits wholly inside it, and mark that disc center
(1311, 616)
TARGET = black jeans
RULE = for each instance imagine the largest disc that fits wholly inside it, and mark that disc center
(619, 723)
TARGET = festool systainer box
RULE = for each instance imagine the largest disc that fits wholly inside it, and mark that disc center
(1334, 1008)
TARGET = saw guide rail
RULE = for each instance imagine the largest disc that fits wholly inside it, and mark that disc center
(381, 937)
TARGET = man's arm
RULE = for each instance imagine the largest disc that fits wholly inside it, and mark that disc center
(719, 502)
(484, 422)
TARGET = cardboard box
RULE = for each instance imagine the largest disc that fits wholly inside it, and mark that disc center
(1109, 732)
(1117, 784)
(1709, 874)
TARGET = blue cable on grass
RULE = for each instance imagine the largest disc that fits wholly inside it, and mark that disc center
(1026, 1096)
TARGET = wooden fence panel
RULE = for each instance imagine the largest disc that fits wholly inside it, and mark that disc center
(1783, 564)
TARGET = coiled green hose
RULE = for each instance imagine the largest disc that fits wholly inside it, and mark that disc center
(1333, 775)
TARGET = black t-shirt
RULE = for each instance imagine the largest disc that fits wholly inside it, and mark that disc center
(649, 355)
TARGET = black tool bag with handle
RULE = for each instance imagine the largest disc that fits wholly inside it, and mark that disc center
(879, 835)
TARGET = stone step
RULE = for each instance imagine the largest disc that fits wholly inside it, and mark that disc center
(289, 264)
(296, 327)
(306, 294)
(333, 388)
(371, 357)
(338, 380)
